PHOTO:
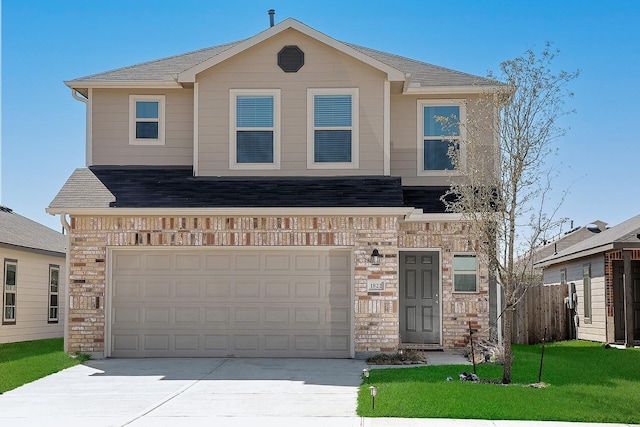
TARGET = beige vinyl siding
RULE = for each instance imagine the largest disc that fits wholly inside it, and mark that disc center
(32, 297)
(257, 68)
(596, 329)
(110, 135)
(404, 138)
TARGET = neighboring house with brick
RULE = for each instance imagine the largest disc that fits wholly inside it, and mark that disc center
(277, 196)
(33, 261)
(605, 270)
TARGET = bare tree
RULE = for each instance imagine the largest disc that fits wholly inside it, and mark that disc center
(503, 193)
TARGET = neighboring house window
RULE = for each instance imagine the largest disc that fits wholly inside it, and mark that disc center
(254, 129)
(465, 273)
(54, 277)
(586, 286)
(563, 276)
(146, 119)
(438, 130)
(332, 128)
(10, 291)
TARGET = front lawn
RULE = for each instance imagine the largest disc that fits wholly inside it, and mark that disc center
(584, 382)
(23, 362)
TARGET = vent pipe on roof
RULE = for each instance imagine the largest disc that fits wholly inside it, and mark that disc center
(271, 12)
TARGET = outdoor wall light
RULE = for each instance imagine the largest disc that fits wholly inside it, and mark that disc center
(374, 392)
(375, 257)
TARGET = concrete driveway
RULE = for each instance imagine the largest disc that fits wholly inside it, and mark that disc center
(234, 392)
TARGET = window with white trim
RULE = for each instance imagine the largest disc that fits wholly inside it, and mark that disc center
(332, 128)
(439, 130)
(586, 288)
(146, 119)
(465, 273)
(54, 278)
(254, 129)
(9, 290)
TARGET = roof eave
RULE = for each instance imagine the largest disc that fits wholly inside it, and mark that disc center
(262, 211)
(439, 90)
(123, 84)
(587, 252)
(189, 75)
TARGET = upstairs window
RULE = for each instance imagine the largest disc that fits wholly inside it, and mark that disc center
(146, 119)
(9, 288)
(255, 129)
(332, 140)
(54, 277)
(465, 273)
(438, 132)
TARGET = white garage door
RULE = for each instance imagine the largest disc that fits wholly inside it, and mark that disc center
(214, 303)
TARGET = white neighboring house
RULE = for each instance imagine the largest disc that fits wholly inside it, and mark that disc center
(33, 261)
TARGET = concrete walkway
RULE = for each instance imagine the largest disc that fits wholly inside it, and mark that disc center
(209, 392)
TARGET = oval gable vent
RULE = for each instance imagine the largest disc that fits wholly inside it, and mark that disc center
(290, 59)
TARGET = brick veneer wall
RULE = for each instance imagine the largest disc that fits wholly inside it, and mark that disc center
(375, 315)
(458, 309)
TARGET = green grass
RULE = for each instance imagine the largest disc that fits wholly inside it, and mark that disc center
(585, 382)
(23, 362)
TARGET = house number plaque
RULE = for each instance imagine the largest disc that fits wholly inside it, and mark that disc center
(375, 285)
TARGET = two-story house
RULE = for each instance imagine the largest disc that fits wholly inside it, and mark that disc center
(277, 196)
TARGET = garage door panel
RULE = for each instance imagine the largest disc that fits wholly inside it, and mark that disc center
(247, 342)
(126, 343)
(277, 289)
(276, 342)
(307, 315)
(247, 289)
(187, 262)
(127, 261)
(157, 315)
(157, 262)
(279, 315)
(156, 342)
(155, 288)
(216, 342)
(187, 315)
(247, 262)
(217, 262)
(187, 342)
(277, 303)
(126, 288)
(306, 262)
(188, 289)
(306, 289)
(277, 262)
(219, 289)
(247, 315)
(220, 316)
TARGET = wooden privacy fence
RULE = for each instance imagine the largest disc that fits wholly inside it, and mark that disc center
(541, 307)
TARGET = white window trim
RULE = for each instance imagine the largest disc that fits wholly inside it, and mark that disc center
(453, 274)
(160, 99)
(50, 319)
(420, 127)
(12, 321)
(355, 128)
(587, 305)
(233, 164)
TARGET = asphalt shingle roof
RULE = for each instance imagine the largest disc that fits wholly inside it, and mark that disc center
(167, 69)
(176, 187)
(626, 232)
(17, 230)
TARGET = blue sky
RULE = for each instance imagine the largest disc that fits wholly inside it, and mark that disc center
(45, 42)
